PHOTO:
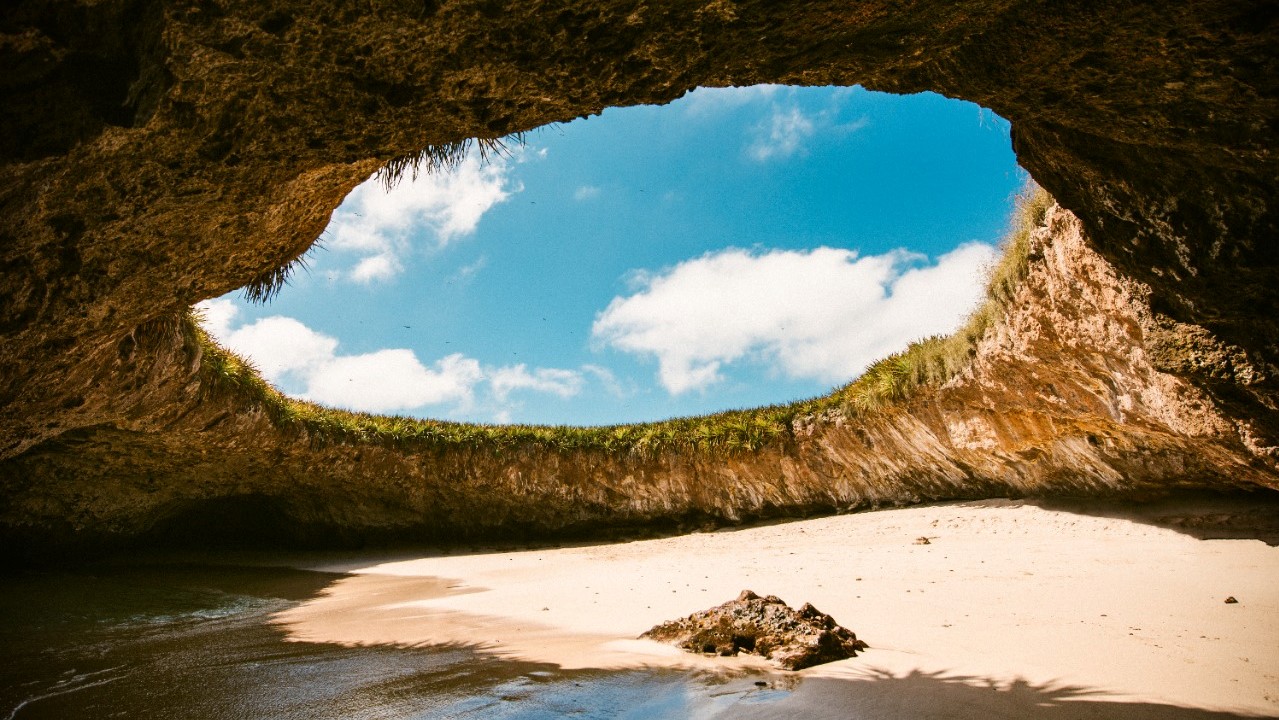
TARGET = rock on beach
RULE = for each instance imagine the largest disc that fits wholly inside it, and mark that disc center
(765, 626)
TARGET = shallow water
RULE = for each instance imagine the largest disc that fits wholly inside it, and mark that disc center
(196, 641)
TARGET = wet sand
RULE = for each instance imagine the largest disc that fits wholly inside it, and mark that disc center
(1007, 606)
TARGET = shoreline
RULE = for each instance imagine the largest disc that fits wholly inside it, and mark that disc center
(1096, 604)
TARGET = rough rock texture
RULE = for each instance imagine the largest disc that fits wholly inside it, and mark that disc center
(1062, 398)
(154, 153)
(766, 626)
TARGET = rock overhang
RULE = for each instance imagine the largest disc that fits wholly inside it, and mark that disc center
(162, 153)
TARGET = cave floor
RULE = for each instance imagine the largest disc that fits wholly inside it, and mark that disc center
(1009, 609)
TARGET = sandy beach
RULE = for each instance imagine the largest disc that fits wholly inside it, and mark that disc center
(1009, 608)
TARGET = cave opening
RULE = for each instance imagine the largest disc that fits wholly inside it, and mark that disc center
(739, 247)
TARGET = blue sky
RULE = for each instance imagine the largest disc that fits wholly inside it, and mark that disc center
(738, 247)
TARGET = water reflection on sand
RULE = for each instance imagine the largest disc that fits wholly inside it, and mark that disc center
(198, 642)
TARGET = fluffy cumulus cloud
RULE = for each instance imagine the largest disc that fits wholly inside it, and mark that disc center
(822, 314)
(292, 355)
(281, 347)
(217, 315)
(388, 380)
(380, 227)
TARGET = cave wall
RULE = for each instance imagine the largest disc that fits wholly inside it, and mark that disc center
(155, 153)
(1061, 399)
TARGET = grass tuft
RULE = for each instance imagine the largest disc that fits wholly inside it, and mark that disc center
(435, 158)
(445, 157)
(263, 289)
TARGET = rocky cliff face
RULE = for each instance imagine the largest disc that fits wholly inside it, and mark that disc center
(154, 153)
(1061, 398)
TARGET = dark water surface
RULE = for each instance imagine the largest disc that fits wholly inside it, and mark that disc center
(196, 641)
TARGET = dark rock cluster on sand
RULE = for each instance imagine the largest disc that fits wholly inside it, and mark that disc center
(766, 626)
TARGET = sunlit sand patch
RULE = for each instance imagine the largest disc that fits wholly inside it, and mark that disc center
(374, 609)
(1004, 593)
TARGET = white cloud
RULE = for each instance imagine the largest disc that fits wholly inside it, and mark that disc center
(553, 381)
(586, 192)
(383, 266)
(822, 314)
(381, 226)
(787, 129)
(606, 378)
(784, 128)
(389, 380)
(216, 315)
(470, 270)
(279, 346)
(289, 353)
(709, 100)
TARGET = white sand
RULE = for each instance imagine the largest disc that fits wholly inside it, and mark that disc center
(1006, 595)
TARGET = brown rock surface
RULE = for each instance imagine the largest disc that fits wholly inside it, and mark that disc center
(1061, 398)
(765, 626)
(154, 153)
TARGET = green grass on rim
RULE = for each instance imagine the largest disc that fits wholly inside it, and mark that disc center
(887, 382)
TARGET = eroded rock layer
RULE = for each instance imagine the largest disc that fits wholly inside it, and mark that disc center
(1062, 398)
(154, 153)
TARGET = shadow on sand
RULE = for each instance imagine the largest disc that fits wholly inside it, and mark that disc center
(1202, 515)
(939, 696)
(191, 641)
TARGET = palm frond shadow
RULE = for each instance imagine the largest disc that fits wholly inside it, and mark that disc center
(943, 696)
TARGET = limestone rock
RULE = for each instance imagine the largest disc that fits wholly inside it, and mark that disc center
(794, 639)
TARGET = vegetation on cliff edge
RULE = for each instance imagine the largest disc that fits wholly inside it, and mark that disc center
(888, 382)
